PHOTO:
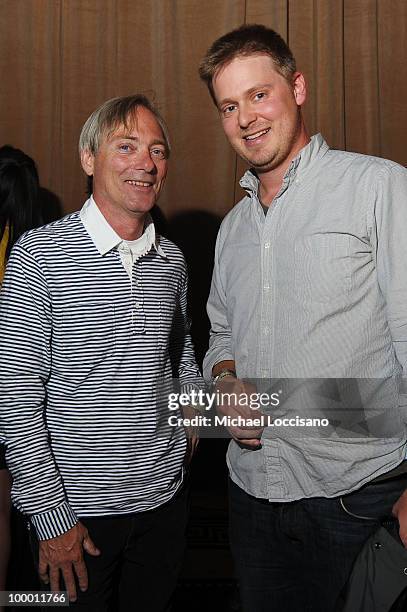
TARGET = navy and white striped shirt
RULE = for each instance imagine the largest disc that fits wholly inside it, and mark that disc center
(83, 352)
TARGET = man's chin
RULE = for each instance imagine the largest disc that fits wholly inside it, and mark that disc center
(142, 207)
(262, 166)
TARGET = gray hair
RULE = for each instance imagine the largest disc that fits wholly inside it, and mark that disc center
(113, 113)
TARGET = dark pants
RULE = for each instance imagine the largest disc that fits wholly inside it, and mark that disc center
(297, 556)
(140, 559)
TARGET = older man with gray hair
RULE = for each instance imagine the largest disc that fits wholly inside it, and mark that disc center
(94, 323)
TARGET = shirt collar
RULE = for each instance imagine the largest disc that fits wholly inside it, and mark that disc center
(316, 148)
(103, 235)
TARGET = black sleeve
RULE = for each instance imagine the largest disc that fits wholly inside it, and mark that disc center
(3, 465)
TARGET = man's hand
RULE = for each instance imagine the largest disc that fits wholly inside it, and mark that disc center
(65, 554)
(400, 512)
(246, 436)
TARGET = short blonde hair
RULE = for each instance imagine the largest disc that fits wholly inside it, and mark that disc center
(244, 41)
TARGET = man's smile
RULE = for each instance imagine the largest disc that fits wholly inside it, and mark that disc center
(256, 134)
(139, 183)
(255, 138)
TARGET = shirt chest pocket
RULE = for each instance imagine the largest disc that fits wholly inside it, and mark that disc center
(84, 338)
(322, 268)
(169, 315)
(164, 332)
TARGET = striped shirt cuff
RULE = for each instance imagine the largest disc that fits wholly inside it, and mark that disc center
(55, 522)
(197, 386)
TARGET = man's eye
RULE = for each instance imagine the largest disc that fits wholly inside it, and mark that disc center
(229, 109)
(259, 95)
(124, 147)
(158, 153)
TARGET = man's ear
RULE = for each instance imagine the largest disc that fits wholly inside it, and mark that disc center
(87, 161)
(299, 88)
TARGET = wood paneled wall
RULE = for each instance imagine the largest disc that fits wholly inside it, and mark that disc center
(59, 59)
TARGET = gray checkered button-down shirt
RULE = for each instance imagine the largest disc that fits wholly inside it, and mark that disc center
(317, 289)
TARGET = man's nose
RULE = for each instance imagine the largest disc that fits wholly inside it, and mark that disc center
(247, 115)
(143, 161)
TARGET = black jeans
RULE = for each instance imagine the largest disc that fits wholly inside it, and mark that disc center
(141, 555)
(297, 556)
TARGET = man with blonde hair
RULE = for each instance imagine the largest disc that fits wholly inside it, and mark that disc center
(94, 325)
(309, 289)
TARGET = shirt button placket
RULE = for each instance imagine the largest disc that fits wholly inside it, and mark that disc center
(265, 312)
(138, 301)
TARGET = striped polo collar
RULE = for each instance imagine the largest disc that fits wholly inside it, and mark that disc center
(103, 235)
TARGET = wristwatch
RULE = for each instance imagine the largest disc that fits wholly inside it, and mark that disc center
(221, 375)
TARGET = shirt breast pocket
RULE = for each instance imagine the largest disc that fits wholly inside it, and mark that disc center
(322, 268)
(84, 338)
(168, 320)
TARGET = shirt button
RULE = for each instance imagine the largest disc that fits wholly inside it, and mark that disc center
(267, 245)
(137, 304)
(266, 331)
(266, 287)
